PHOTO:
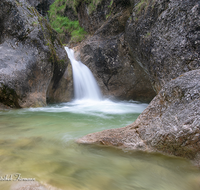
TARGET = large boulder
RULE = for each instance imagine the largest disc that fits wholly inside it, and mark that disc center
(170, 124)
(33, 62)
(164, 38)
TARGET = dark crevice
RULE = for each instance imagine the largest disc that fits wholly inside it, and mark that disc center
(1, 30)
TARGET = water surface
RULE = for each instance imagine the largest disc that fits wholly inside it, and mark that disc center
(39, 143)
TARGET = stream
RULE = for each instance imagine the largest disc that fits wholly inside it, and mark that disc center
(40, 143)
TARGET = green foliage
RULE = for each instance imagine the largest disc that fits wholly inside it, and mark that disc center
(63, 25)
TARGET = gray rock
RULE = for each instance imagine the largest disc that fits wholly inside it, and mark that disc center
(164, 38)
(32, 58)
(170, 124)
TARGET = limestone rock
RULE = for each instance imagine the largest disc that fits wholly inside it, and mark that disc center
(32, 58)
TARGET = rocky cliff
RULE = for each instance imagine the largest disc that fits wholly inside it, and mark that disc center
(33, 63)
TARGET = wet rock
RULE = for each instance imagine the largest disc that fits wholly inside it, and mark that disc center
(164, 38)
(32, 58)
(170, 124)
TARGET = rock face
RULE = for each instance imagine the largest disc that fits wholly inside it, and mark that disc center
(164, 38)
(112, 66)
(107, 55)
(33, 62)
(170, 124)
(92, 19)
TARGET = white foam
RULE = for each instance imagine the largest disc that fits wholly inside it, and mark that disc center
(92, 107)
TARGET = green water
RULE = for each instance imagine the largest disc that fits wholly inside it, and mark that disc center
(39, 143)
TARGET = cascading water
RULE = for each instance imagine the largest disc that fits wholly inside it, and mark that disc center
(85, 85)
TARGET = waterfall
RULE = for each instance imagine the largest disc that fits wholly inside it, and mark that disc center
(85, 85)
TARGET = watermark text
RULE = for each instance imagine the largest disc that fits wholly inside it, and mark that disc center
(15, 177)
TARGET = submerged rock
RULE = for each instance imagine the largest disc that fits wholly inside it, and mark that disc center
(33, 61)
(170, 124)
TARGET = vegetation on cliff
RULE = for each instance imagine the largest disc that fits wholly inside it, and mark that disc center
(68, 29)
